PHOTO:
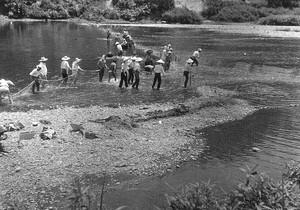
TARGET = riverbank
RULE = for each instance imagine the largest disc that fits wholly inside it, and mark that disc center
(145, 140)
(238, 28)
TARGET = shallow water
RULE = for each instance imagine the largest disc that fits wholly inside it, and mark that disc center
(263, 70)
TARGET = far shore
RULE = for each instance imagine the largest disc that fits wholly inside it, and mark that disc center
(227, 27)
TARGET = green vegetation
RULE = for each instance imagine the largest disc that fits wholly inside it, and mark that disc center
(281, 20)
(270, 11)
(258, 191)
(182, 15)
(87, 9)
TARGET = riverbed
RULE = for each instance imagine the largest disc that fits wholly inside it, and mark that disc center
(260, 64)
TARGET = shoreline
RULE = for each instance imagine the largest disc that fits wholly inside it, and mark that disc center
(227, 27)
(151, 146)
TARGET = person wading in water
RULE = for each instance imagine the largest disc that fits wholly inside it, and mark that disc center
(65, 67)
(158, 70)
(35, 76)
(102, 66)
(187, 70)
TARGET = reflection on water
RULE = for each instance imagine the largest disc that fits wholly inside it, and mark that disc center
(262, 70)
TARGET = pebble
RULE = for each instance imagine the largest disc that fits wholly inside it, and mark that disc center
(18, 169)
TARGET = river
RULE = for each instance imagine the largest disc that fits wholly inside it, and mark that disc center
(264, 71)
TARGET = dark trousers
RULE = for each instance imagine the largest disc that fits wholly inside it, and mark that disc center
(157, 77)
(64, 75)
(130, 76)
(123, 79)
(101, 74)
(195, 60)
(36, 84)
(186, 75)
(136, 83)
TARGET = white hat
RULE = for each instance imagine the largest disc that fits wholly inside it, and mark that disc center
(160, 61)
(199, 50)
(138, 59)
(117, 43)
(43, 59)
(149, 66)
(65, 58)
(126, 59)
(189, 60)
(77, 60)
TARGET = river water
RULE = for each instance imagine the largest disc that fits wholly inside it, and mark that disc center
(263, 70)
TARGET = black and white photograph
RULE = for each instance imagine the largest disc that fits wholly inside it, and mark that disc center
(149, 104)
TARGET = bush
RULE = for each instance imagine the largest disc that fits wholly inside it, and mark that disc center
(257, 192)
(111, 14)
(213, 7)
(237, 13)
(281, 20)
(182, 15)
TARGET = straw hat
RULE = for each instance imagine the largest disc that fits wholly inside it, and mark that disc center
(77, 60)
(126, 59)
(149, 66)
(160, 61)
(65, 58)
(43, 59)
(138, 59)
(189, 60)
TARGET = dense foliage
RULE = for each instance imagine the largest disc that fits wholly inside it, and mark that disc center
(182, 15)
(88, 9)
(258, 191)
(242, 11)
(281, 20)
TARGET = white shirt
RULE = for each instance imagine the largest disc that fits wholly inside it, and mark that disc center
(5, 83)
(124, 67)
(35, 73)
(119, 47)
(136, 66)
(65, 65)
(196, 54)
(44, 69)
(159, 69)
(75, 67)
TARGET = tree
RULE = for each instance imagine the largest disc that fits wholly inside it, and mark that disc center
(283, 3)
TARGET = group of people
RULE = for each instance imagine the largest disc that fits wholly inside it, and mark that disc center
(129, 68)
(39, 74)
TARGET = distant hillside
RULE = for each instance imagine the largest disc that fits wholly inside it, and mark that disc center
(196, 5)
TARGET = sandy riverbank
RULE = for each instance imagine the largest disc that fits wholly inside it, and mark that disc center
(133, 145)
